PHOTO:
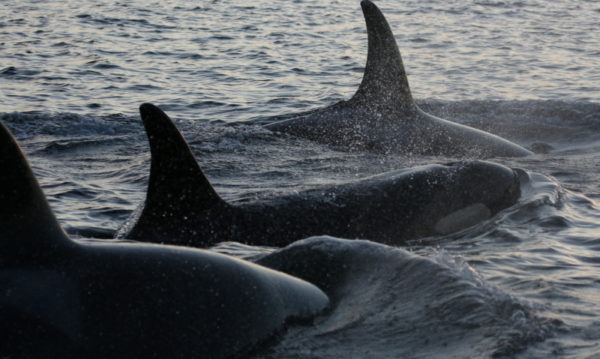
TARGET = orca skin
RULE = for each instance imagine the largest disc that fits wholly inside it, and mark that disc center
(382, 116)
(62, 298)
(181, 206)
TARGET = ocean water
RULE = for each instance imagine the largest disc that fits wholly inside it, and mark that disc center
(524, 284)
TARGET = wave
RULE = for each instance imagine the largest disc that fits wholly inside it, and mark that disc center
(393, 303)
(25, 125)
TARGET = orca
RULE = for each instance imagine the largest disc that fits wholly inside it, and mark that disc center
(181, 206)
(382, 115)
(67, 298)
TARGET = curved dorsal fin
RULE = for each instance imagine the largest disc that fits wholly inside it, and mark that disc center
(384, 81)
(177, 186)
(27, 225)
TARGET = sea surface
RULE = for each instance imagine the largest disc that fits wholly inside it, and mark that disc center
(524, 284)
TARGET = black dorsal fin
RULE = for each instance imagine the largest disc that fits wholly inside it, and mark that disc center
(27, 225)
(384, 81)
(176, 187)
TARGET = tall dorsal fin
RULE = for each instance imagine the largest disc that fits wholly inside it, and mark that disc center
(27, 225)
(384, 81)
(177, 186)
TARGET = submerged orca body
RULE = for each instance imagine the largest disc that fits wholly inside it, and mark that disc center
(382, 115)
(182, 207)
(62, 298)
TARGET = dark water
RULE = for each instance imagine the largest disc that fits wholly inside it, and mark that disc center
(524, 284)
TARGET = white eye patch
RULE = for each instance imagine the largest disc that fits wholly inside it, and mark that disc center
(463, 218)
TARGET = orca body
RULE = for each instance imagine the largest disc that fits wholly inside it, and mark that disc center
(181, 206)
(382, 115)
(62, 298)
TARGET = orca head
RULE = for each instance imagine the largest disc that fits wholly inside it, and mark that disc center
(179, 196)
(476, 191)
(494, 185)
(28, 228)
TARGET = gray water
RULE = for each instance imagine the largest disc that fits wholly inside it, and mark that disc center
(524, 284)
